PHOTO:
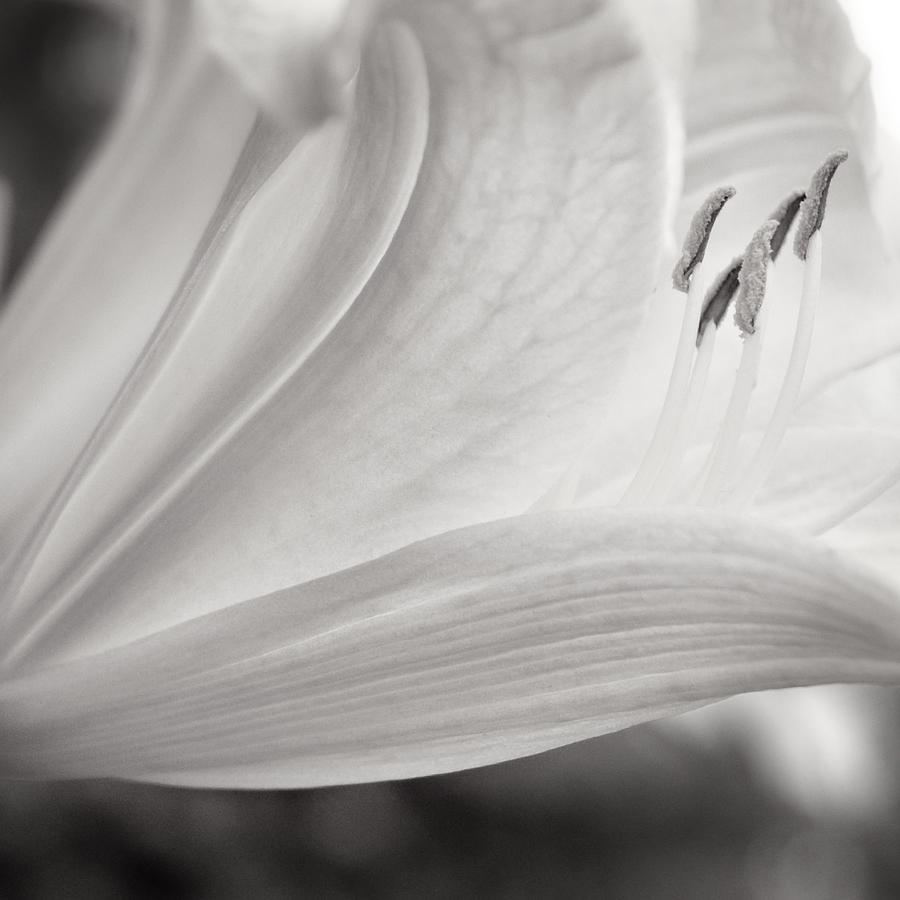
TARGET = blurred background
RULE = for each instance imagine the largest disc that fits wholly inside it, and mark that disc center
(793, 796)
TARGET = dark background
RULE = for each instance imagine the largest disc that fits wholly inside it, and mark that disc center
(644, 815)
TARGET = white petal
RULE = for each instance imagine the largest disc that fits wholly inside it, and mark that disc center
(819, 470)
(669, 30)
(295, 57)
(876, 26)
(472, 647)
(867, 397)
(104, 272)
(777, 84)
(453, 390)
(829, 480)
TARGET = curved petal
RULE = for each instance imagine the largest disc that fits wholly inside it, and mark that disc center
(872, 535)
(476, 646)
(846, 481)
(776, 85)
(819, 470)
(269, 289)
(295, 57)
(103, 274)
(460, 380)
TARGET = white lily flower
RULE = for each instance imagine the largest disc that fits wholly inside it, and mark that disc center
(278, 398)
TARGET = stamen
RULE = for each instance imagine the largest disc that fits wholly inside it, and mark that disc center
(719, 296)
(694, 248)
(764, 458)
(752, 278)
(666, 481)
(684, 277)
(748, 318)
(789, 394)
(715, 304)
(784, 214)
(812, 210)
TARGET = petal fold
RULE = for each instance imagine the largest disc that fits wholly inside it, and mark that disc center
(476, 646)
(452, 390)
(297, 58)
(101, 277)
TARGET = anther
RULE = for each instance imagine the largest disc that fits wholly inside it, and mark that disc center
(784, 214)
(812, 210)
(719, 296)
(684, 278)
(747, 312)
(752, 278)
(764, 458)
(697, 237)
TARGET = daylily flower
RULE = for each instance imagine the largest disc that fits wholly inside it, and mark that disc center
(286, 400)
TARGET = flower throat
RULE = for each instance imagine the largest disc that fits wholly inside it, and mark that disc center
(722, 481)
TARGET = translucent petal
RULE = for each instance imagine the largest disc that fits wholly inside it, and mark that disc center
(820, 472)
(480, 645)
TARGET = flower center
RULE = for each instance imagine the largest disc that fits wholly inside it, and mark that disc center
(724, 481)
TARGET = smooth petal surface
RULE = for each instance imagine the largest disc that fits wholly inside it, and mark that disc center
(820, 472)
(476, 646)
(876, 26)
(826, 481)
(101, 278)
(302, 265)
(459, 381)
(869, 396)
(295, 57)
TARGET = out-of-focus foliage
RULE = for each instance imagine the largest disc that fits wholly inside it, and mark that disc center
(633, 816)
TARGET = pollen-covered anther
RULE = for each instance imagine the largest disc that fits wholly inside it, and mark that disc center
(812, 210)
(752, 278)
(719, 296)
(697, 237)
(784, 214)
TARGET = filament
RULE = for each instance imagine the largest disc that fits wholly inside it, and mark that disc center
(789, 394)
(676, 396)
(663, 486)
(723, 454)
